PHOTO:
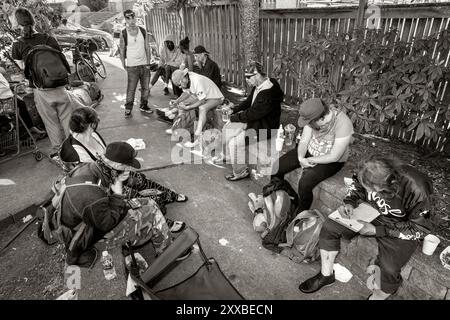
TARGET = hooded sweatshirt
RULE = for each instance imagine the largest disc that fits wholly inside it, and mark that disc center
(407, 214)
(261, 110)
(172, 58)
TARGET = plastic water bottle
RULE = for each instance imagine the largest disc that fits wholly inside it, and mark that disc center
(108, 267)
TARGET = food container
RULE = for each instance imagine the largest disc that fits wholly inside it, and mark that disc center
(445, 258)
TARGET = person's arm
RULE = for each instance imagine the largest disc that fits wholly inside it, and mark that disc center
(260, 108)
(194, 105)
(122, 49)
(304, 141)
(244, 104)
(106, 213)
(184, 96)
(336, 152)
(148, 51)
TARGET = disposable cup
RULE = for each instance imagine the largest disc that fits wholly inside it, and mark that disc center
(430, 243)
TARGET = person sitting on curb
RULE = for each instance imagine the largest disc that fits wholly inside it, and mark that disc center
(200, 89)
(101, 205)
(322, 151)
(85, 144)
(260, 111)
(207, 67)
(401, 194)
(171, 58)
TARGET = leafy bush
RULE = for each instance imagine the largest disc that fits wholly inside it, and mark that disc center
(379, 80)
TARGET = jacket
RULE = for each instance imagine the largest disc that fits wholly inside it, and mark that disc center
(211, 70)
(265, 111)
(172, 58)
(96, 206)
(406, 215)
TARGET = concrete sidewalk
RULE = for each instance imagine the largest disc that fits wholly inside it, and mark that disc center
(217, 209)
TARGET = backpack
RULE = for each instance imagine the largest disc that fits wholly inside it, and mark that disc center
(302, 236)
(46, 67)
(50, 228)
(125, 38)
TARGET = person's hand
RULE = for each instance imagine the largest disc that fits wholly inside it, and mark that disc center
(368, 229)
(346, 211)
(305, 163)
(116, 187)
(182, 106)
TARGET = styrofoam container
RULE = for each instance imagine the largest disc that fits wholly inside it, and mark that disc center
(441, 256)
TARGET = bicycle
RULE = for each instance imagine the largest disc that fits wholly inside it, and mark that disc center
(86, 60)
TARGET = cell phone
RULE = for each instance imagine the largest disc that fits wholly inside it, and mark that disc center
(134, 203)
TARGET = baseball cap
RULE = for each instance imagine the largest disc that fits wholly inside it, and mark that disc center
(178, 75)
(200, 49)
(121, 156)
(310, 110)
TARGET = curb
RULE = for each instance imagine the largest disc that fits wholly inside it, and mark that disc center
(16, 217)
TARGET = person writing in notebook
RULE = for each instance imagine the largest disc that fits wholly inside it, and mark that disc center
(401, 194)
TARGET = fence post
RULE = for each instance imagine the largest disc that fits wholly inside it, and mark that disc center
(360, 15)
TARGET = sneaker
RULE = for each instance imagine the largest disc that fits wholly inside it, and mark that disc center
(190, 144)
(146, 109)
(316, 283)
(166, 91)
(235, 177)
(128, 114)
(169, 131)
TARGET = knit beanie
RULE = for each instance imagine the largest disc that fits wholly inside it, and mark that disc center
(24, 17)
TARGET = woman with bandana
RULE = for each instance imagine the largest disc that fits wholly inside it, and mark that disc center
(323, 148)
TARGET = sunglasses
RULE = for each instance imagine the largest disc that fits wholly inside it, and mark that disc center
(130, 16)
(248, 76)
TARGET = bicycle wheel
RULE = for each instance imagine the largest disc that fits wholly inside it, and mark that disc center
(99, 66)
(84, 71)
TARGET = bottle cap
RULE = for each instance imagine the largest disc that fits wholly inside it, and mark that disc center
(105, 253)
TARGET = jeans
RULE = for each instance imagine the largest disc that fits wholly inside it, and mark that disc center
(166, 73)
(137, 74)
(310, 178)
(393, 253)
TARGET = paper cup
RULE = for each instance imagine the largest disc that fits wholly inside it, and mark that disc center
(430, 243)
(279, 144)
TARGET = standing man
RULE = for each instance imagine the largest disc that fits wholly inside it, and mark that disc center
(208, 68)
(54, 104)
(135, 55)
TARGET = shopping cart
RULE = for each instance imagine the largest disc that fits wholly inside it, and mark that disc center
(18, 137)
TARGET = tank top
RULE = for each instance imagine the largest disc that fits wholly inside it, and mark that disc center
(136, 55)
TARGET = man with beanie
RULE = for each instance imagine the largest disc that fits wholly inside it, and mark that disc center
(135, 55)
(54, 105)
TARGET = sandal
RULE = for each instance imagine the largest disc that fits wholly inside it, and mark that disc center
(236, 177)
(176, 226)
(181, 198)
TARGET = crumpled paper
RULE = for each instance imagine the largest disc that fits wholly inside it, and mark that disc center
(137, 144)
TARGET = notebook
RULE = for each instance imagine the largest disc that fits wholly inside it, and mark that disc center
(363, 212)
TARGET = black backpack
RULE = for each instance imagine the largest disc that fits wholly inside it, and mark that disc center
(46, 67)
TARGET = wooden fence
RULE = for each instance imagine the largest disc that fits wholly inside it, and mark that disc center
(217, 28)
(280, 28)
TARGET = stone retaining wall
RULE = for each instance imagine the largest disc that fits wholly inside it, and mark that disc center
(424, 276)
